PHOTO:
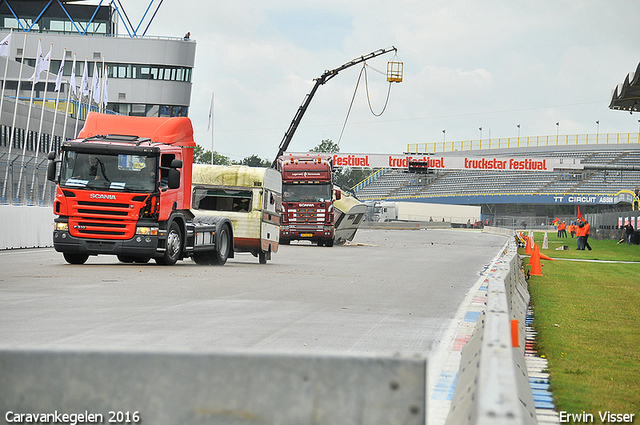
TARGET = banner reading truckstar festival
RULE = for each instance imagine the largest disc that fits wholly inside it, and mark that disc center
(436, 162)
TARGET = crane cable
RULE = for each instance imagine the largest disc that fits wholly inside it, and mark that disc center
(353, 98)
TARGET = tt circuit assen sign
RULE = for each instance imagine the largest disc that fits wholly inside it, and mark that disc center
(470, 162)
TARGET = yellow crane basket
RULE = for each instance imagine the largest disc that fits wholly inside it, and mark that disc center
(394, 71)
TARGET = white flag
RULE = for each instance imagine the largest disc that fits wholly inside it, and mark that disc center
(96, 83)
(60, 71)
(36, 75)
(85, 79)
(4, 46)
(73, 76)
(106, 87)
(44, 63)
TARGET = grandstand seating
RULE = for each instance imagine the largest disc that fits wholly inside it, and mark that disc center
(398, 184)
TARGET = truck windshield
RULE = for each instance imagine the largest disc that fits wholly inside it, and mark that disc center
(306, 192)
(109, 172)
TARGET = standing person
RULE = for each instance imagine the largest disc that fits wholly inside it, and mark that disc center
(572, 229)
(580, 234)
(628, 232)
(563, 230)
(585, 242)
(636, 199)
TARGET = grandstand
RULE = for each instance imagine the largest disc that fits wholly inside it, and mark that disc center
(610, 168)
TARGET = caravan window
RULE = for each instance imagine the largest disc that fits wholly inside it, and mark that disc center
(222, 199)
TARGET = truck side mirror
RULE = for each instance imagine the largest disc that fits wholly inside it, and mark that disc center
(173, 178)
(338, 195)
(51, 170)
(51, 166)
(176, 163)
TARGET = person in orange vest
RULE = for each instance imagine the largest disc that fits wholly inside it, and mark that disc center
(587, 228)
(580, 235)
(583, 234)
(572, 229)
(562, 229)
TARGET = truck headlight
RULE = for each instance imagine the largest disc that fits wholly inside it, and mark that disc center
(147, 231)
(61, 226)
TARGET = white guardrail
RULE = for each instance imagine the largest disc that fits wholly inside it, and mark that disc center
(26, 227)
(493, 385)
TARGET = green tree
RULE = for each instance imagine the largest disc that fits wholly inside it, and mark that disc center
(326, 146)
(254, 161)
(201, 156)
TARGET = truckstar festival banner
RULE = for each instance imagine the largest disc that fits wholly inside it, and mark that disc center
(476, 163)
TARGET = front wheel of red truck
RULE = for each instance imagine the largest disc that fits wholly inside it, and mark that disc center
(75, 258)
(174, 246)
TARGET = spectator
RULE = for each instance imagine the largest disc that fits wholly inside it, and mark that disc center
(585, 242)
(628, 232)
(580, 233)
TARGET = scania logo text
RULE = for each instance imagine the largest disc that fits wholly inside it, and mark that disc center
(102, 196)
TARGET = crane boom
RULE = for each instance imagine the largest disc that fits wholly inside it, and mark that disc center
(326, 76)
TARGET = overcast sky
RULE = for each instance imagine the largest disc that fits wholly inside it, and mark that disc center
(467, 64)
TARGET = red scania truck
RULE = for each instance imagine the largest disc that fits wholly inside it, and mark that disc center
(307, 198)
(124, 188)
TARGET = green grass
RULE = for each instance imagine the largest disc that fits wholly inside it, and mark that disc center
(588, 323)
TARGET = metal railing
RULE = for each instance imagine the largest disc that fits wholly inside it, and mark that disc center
(521, 142)
(23, 180)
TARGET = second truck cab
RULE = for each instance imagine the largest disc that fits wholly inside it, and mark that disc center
(307, 198)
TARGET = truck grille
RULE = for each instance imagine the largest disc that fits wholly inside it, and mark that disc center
(103, 220)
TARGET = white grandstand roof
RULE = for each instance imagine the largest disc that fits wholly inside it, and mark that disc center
(626, 95)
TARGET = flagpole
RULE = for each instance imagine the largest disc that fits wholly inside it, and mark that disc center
(102, 85)
(81, 94)
(35, 77)
(4, 79)
(105, 89)
(211, 123)
(13, 124)
(44, 101)
(72, 80)
(66, 111)
(59, 85)
(93, 80)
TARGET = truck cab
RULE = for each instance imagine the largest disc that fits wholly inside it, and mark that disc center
(123, 188)
(307, 199)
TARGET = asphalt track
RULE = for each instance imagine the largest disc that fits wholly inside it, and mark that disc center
(390, 290)
(387, 291)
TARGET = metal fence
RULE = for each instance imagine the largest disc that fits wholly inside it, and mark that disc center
(23, 180)
(527, 141)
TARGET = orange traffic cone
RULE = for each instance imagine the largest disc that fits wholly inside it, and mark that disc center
(534, 262)
(527, 248)
(545, 257)
(533, 249)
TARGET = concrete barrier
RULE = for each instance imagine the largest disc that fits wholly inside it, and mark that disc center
(405, 225)
(205, 388)
(26, 227)
(492, 385)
